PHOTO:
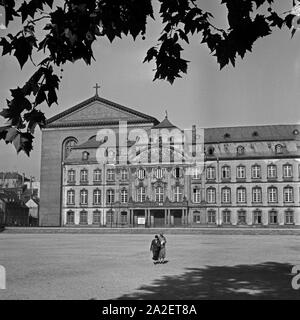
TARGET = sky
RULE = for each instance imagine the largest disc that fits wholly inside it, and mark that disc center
(263, 88)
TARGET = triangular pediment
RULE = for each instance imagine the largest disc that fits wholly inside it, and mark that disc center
(95, 111)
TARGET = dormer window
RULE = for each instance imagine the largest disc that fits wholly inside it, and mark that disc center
(159, 172)
(278, 149)
(85, 155)
(255, 134)
(210, 150)
(141, 174)
(177, 173)
(240, 150)
(226, 135)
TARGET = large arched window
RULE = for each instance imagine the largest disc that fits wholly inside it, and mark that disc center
(159, 194)
(141, 194)
(68, 145)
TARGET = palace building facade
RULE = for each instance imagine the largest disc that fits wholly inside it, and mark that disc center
(250, 174)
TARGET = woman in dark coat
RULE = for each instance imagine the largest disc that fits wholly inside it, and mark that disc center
(162, 251)
(155, 248)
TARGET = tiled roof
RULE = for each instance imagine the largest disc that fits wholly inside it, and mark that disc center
(165, 124)
(252, 133)
(93, 143)
(230, 134)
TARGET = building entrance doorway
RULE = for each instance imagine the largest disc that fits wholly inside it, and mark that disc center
(158, 218)
(177, 214)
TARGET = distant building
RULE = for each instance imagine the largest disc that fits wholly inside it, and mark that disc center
(34, 186)
(33, 207)
(13, 211)
(10, 180)
(251, 175)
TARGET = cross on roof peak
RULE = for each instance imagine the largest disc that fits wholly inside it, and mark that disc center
(96, 87)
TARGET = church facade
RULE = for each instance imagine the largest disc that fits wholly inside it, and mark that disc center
(250, 175)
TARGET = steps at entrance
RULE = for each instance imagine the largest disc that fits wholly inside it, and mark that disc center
(216, 231)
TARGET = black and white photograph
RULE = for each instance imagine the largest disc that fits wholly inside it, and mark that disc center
(149, 151)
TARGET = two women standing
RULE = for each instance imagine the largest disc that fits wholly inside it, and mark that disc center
(158, 248)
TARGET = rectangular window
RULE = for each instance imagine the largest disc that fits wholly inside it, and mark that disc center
(141, 194)
(159, 194)
(287, 171)
(96, 217)
(97, 197)
(226, 195)
(109, 218)
(256, 195)
(110, 175)
(70, 217)
(225, 173)
(242, 217)
(210, 173)
(110, 196)
(196, 173)
(226, 217)
(196, 195)
(71, 176)
(124, 196)
(211, 216)
(97, 175)
(257, 218)
(288, 194)
(211, 195)
(124, 174)
(83, 219)
(83, 176)
(272, 195)
(273, 217)
(256, 174)
(272, 171)
(71, 197)
(241, 172)
(289, 217)
(123, 217)
(196, 218)
(83, 197)
(178, 194)
(241, 195)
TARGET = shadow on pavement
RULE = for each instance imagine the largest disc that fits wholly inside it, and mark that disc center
(268, 280)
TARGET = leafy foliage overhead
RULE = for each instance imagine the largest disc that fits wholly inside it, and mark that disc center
(70, 29)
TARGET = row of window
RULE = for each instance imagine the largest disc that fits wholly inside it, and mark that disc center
(257, 217)
(110, 174)
(96, 219)
(110, 195)
(97, 175)
(83, 194)
(242, 217)
(256, 172)
(241, 194)
(240, 150)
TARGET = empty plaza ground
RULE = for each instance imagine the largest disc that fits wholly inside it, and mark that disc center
(119, 266)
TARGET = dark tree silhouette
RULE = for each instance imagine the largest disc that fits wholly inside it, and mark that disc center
(264, 281)
(71, 28)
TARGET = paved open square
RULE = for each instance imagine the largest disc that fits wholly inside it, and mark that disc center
(119, 266)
